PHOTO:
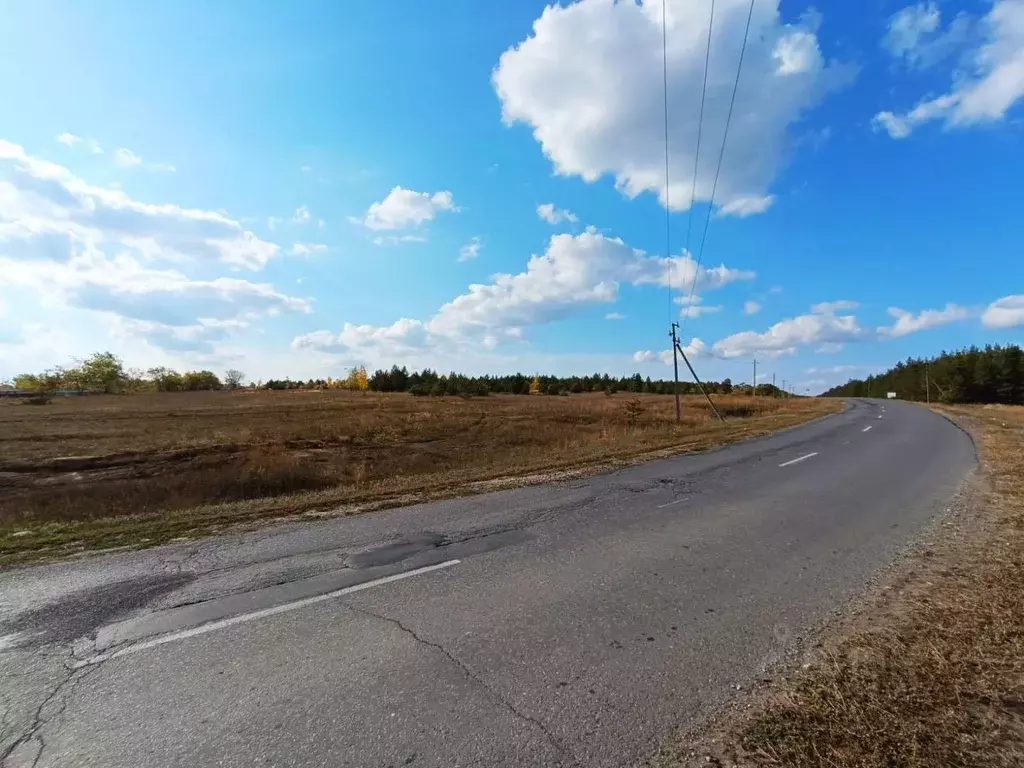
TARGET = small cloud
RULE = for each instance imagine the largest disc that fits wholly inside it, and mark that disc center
(470, 250)
(406, 208)
(302, 215)
(647, 356)
(68, 139)
(552, 215)
(830, 348)
(273, 222)
(614, 316)
(71, 140)
(751, 308)
(398, 239)
(908, 322)
(693, 306)
(897, 127)
(1006, 312)
(321, 223)
(308, 249)
(695, 348)
(126, 158)
(687, 299)
(830, 307)
(745, 205)
(696, 310)
(306, 169)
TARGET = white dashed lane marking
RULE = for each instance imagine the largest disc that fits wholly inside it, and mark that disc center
(794, 461)
(266, 612)
(677, 501)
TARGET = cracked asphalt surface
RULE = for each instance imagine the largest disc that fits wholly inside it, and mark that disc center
(582, 623)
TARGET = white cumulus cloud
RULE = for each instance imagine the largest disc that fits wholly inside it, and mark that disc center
(751, 308)
(552, 215)
(573, 273)
(696, 348)
(984, 90)
(42, 203)
(915, 35)
(588, 82)
(83, 277)
(406, 208)
(1006, 312)
(908, 322)
(821, 327)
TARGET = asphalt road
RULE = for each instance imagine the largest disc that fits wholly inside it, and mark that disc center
(572, 624)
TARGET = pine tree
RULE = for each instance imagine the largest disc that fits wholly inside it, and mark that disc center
(1010, 388)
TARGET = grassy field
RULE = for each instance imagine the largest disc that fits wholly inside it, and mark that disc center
(931, 673)
(103, 471)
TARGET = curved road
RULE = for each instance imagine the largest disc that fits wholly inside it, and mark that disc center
(568, 624)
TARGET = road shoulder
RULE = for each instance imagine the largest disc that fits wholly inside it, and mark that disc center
(927, 668)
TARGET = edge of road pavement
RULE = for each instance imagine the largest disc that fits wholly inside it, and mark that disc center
(706, 741)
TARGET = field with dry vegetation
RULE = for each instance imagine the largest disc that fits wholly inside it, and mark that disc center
(112, 470)
(930, 672)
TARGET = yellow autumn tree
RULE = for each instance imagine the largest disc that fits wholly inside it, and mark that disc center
(357, 380)
(535, 386)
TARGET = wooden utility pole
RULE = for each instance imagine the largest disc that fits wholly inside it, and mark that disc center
(755, 377)
(675, 371)
(927, 386)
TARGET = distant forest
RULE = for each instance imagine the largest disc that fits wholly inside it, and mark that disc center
(429, 382)
(105, 372)
(972, 375)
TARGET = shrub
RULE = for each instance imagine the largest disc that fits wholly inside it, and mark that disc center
(633, 410)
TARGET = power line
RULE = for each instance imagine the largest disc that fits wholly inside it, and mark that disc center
(668, 209)
(721, 153)
(700, 130)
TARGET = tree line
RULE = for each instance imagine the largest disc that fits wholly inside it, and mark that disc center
(430, 382)
(994, 374)
(106, 373)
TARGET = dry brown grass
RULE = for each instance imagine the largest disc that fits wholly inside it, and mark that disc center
(933, 675)
(111, 470)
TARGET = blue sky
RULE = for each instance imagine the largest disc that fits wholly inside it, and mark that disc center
(293, 189)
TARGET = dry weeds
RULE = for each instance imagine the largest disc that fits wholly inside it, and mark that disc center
(114, 470)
